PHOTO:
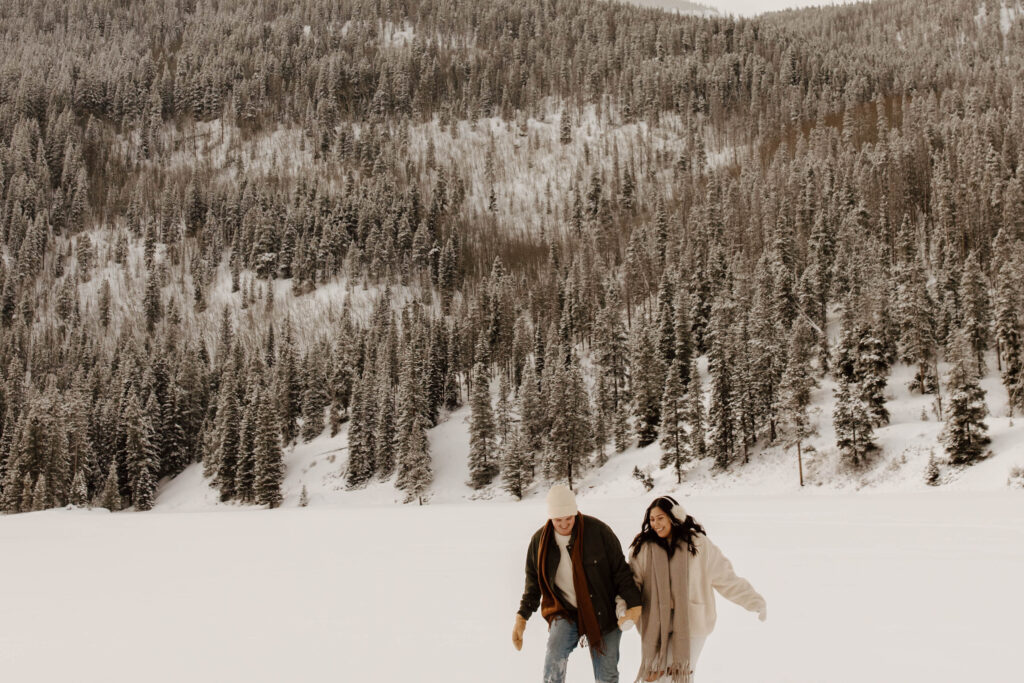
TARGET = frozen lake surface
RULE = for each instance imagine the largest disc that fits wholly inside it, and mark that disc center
(881, 587)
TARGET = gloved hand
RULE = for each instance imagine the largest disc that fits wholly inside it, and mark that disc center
(632, 615)
(517, 632)
(762, 613)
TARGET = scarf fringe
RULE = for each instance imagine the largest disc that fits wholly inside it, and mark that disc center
(674, 674)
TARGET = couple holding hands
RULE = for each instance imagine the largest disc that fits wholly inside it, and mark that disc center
(576, 573)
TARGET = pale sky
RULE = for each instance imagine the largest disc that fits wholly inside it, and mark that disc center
(749, 8)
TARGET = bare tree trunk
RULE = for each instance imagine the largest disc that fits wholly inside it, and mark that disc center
(800, 462)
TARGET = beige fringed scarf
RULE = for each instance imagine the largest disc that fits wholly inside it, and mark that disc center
(658, 619)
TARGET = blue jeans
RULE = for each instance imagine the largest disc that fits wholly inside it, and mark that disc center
(562, 639)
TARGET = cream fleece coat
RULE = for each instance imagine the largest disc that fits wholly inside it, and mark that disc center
(710, 571)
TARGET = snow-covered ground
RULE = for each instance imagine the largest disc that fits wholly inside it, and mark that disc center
(895, 582)
(882, 587)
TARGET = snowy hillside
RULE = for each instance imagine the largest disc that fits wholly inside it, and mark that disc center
(905, 446)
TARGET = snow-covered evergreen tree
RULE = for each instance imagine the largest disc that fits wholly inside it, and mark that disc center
(110, 496)
(964, 435)
(647, 382)
(140, 452)
(675, 416)
(269, 459)
(916, 318)
(696, 413)
(245, 469)
(415, 473)
(533, 415)
(385, 435)
(721, 417)
(797, 382)
(483, 456)
(314, 398)
(361, 465)
(516, 465)
(229, 424)
(853, 424)
(571, 440)
(1007, 333)
(79, 491)
(977, 313)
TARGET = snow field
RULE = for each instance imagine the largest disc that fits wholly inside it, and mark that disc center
(882, 587)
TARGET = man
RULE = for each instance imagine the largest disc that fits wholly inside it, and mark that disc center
(574, 570)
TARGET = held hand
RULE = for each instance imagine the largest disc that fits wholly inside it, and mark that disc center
(631, 617)
(517, 632)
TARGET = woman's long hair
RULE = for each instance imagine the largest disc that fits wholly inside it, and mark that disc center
(683, 530)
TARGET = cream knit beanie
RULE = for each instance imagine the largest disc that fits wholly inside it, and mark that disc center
(561, 502)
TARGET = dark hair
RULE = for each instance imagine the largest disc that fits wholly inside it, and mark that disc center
(682, 534)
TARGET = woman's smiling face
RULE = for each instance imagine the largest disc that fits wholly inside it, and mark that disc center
(660, 522)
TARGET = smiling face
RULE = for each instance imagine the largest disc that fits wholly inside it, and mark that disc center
(660, 522)
(563, 525)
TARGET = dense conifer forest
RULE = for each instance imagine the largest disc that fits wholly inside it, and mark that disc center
(227, 226)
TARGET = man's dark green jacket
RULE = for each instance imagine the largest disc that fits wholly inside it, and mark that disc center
(607, 573)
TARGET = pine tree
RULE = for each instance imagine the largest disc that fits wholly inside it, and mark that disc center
(797, 383)
(853, 425)
(769, 321)
(675, 437)
(873, 370)
(41, 494)
(964, 435)
(228, 438)
(977, 316)
(245, 469)
(516, 468)
(152, 302)
(571, 440)
(110, 498)
(647, 383)
(385, 434)
(915, 314)
(104, 303)
(683, 335)
(932, 473)
(565, 126)
(27, 497)
(313, 400)
(533, 415)
(140, 451)
(290, 388)
(721, 418)
(696, 417)
(269, 459)
(79, 492)
(361, 464)
(483, 456)
(666, 320)
(304, 497)
(1008, 335)
(602, 425)
(611, 358)
(415, 474)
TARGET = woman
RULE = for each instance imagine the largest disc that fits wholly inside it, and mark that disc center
(675, 566)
